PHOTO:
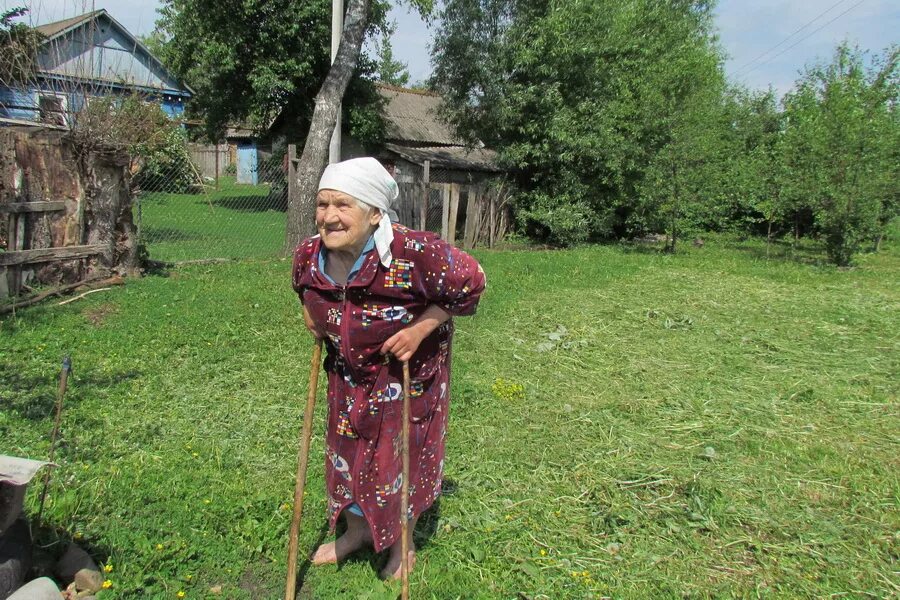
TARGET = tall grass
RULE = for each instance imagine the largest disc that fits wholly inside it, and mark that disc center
(624, 423)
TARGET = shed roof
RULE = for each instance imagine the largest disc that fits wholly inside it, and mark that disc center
(411, 116)
(449, 157)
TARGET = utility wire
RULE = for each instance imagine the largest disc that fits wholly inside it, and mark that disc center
(776, 46)
(744, 75)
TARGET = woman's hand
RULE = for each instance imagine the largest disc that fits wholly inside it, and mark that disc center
(311, 325)
(403, 344)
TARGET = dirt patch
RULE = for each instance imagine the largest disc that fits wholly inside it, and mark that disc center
(261, 580)
(98, 315)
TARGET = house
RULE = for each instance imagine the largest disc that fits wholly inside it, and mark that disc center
(88, 56)
(445, 184)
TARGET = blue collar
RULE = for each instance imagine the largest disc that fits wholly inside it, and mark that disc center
(323, 256)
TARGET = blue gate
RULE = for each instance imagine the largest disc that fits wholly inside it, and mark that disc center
(247, 163)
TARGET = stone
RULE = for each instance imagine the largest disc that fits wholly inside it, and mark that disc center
(77, 566)
(42, 588)
(12, 498)
(15, 557)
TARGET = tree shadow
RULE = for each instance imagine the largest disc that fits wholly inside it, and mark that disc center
(781, 250)
(253, 202)
(32, 397)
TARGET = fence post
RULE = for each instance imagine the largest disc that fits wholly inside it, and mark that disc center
(445, 211)
(217, 164)
(292, 174)
(493, 200)
(454, 208)
(423, 216)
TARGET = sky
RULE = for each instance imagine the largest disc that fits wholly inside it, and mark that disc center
(767, 42)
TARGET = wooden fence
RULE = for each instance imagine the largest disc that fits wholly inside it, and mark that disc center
(211, 159)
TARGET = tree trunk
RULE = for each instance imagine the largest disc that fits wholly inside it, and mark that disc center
(301, 207)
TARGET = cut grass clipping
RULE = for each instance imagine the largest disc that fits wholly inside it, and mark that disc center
(624, 424)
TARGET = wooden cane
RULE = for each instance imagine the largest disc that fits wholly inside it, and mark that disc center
(290, 588)
(60, 394)
(404, 499)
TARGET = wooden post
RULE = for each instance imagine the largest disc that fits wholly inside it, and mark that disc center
(292, 173)
(454, 208)
(423, 217)
(217, 165)
(473, 216)
(493, 220)
(445, 211)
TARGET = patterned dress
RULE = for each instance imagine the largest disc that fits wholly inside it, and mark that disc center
(363, 463)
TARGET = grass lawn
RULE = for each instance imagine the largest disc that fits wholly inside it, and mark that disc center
(235, 221)
(709, 424)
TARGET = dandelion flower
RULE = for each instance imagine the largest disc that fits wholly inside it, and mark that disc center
(159, 546)
(180, 594)
(543, 552)
(107, 584)
(107, 568)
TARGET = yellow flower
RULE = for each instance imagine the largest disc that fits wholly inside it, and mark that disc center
(188, 577)
(78, 535)
(574, 573)
(206, 501)
(543, 552)
(509, 517)
(107, 584)
(159, 546)
(180, 594)
(285, 506)
(107, 568)
(585, 574)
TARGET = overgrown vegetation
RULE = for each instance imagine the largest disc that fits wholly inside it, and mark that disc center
(156, 145)
(674, 427)
(616, 120)
(19, 46)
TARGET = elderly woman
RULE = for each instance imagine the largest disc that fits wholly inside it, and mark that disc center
(379, 293)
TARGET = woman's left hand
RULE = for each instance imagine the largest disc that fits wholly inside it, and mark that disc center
(403, 344)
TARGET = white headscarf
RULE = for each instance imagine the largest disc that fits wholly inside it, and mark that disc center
(368, 181)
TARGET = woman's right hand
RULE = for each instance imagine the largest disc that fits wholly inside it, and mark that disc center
(311, 325)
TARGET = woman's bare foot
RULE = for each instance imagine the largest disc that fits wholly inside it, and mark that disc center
(392, 570)
(355, 538)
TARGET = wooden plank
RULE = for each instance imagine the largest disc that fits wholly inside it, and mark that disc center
(30, 207)
(39, 255)
(454, 208)
(493, 219)
(423, 212)
(445, 210)
(472, 215)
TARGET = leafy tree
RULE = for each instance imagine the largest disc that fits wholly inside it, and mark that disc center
(390, 70)
(19, 46)
(587, 102)
(842, 145)
(253, 60)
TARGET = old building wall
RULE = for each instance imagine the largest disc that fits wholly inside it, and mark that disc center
(65, 210)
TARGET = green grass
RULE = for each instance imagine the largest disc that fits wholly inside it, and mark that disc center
(709, 424)
(235, 221)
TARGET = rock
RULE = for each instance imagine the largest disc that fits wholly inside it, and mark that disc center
(11, 499)
(15, 557)
(42, 588)
(77, 566)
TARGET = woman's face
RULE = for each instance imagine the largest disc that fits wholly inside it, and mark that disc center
(342, 222)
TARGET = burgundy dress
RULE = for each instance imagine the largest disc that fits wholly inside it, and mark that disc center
(363, 463)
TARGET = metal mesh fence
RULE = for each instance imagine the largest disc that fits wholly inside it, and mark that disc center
(222, 201)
